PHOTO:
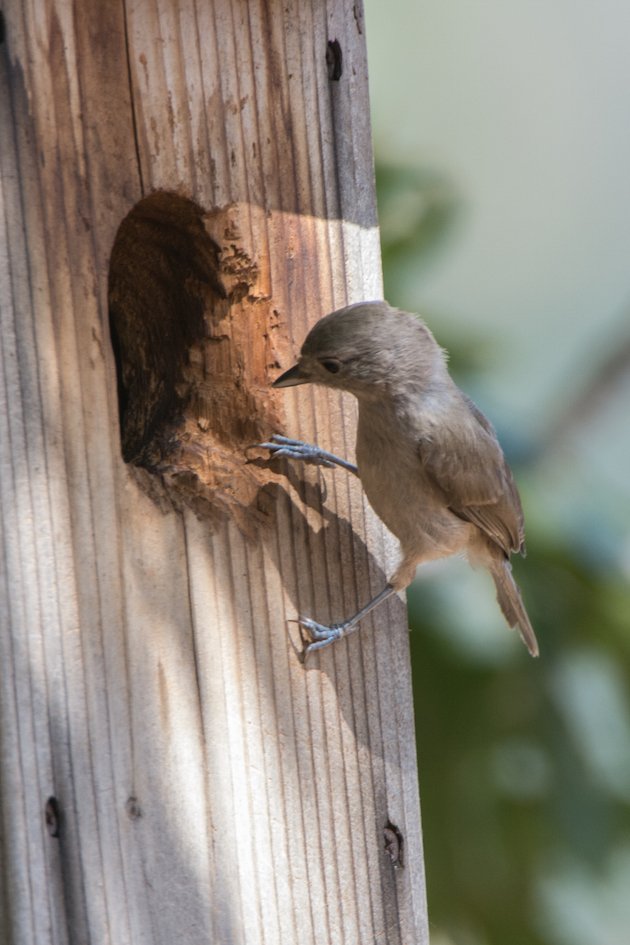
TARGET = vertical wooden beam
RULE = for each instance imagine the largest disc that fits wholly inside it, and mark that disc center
(207, 787)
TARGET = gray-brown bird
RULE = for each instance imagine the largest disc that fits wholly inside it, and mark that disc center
(429, 461)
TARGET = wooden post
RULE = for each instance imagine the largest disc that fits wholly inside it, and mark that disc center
(169, 771)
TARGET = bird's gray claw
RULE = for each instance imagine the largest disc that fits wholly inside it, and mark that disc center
(295, 449)
(319, 634)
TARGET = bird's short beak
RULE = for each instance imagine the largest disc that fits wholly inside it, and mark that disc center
(292, 377)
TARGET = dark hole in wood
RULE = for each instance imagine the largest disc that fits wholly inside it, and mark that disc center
(52, 816)
(191, 339)
(334, 60)
(393, 844)
(164, 273)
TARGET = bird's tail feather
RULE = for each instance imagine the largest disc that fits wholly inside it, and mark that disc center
(510, 602)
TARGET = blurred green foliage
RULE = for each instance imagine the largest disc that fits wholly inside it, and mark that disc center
(524, 765)
(417, 209)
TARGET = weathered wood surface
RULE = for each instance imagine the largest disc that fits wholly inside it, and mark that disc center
(210, 788)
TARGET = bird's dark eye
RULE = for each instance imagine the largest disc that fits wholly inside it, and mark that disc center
(332, 365)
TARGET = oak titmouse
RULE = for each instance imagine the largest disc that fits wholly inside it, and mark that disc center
(428, 459)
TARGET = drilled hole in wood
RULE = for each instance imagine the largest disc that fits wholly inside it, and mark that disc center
(334, 60)
(52, 816)
(393, 844)
(193, 339)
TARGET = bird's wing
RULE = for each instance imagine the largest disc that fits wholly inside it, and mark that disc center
(467, 464)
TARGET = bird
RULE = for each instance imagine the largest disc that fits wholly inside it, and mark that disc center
(427, 458)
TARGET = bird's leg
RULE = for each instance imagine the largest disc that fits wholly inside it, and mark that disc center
(295, 449)
(322, 635)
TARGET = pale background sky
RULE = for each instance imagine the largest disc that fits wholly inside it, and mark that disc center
(525, 110)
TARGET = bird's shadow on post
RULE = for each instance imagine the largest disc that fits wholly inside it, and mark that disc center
(328, 572)
(325, 552)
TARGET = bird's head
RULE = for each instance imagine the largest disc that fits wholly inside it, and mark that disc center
(366, 349)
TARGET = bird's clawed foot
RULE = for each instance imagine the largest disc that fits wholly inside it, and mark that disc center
(315, 636)
(295, 449)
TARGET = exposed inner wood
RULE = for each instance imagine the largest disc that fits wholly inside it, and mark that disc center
(194, 336)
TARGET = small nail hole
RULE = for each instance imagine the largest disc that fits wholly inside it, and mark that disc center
(393, 844)
(52, 816)
(334, 60)
(133, 809)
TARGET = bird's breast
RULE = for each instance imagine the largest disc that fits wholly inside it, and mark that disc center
(391, 473)
(398, 488)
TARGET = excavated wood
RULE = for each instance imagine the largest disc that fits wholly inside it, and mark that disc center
(207, 787)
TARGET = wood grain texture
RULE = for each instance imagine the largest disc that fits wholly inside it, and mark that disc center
(211, 789)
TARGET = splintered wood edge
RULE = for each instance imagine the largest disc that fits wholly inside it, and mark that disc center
(196, 337)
